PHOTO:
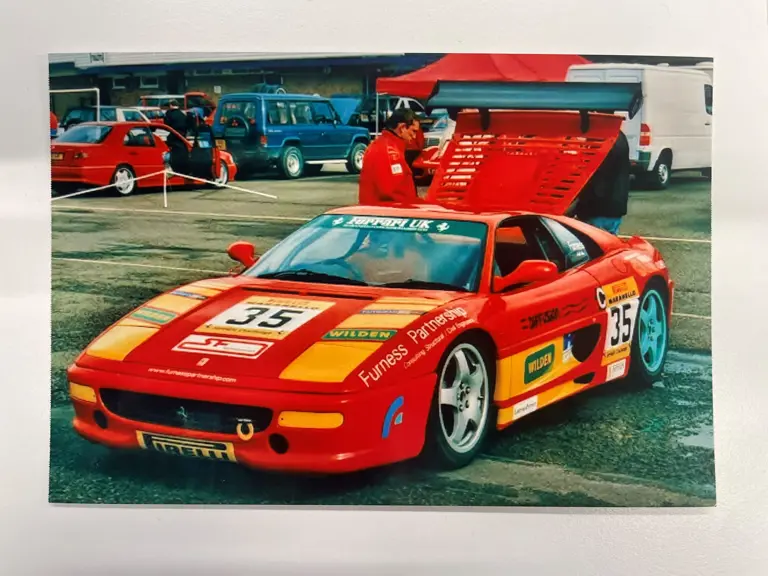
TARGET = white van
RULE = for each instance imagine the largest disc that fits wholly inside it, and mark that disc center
(673, 129)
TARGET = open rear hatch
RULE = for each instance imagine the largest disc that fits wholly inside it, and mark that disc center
(526, 146)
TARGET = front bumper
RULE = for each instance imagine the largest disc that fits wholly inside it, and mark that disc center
(303, 434)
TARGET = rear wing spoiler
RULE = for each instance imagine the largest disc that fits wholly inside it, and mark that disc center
(526, 146)
(584, 97)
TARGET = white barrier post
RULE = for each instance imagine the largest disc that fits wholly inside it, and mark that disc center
(165, 188)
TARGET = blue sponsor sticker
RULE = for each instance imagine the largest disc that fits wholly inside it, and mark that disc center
(186, 294)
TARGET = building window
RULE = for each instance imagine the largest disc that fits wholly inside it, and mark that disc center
(149, 82)
(119, 83)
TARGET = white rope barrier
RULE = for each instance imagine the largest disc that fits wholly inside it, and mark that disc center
(165, 174)
(89, 190)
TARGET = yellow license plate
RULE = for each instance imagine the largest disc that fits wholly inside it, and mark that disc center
(180, 446)
(57, 156)
(221, 144)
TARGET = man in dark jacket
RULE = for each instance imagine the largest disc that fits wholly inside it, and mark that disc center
(603, 201)
(176, 119)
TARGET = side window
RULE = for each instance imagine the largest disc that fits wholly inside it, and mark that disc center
(517, 240)
(139, 137)
(301, 113)
(708, 98)
(576, 247)
(416, 106)
(277, 114)
(108, 114)
(132, 116)
(322, 113)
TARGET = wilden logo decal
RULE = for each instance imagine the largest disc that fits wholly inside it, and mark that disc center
(539, 363)
(370, 335)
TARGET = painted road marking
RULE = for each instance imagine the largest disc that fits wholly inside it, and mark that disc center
(224, 273)
(113, 263)
(67, 209)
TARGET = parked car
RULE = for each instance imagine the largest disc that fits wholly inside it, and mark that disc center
(296, 134)
(673, 130)
(101, 153)
(75, 116)
(154, 113)
(364, 114)
(187, 101)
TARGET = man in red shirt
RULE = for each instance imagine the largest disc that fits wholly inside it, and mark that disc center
(386, 177)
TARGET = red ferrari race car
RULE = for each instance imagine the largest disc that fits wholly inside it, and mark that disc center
(96, 154)
(373, 335)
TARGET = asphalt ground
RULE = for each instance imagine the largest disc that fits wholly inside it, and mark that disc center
(613, 446)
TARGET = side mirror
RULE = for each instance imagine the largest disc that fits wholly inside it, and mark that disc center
(529, 271)
(243, 252)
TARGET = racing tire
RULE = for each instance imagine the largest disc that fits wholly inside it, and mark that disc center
(292, 163)
(355, 158)
(650, 342)
(463, 400)
(124, 180)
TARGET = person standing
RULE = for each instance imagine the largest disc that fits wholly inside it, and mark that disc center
(386, 177)
(603, 201)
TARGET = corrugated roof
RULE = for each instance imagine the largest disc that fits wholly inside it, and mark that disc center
(100, 59)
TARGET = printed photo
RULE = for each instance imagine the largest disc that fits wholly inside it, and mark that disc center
(363, 279)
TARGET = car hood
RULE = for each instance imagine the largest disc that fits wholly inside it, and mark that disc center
(268, 335)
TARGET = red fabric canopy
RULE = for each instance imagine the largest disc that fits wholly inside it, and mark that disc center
(480, 67)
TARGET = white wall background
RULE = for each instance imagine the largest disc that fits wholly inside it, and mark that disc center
(731, 539)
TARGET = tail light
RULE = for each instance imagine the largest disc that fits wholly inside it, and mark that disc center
(263, 140)
(80, 155)
(223, 120)
(645, 135)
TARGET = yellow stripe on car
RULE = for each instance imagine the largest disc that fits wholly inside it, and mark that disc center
(329, 361)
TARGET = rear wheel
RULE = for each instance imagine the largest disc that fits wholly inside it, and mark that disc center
(292, 162)
(462, 407)
(124, 180)
(355, 158)
(223, 177)
(651, 339)
(659, 178)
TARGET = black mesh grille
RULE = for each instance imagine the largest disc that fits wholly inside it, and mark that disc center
(181, 413)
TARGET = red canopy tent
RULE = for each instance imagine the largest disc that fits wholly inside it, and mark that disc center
(480, 67)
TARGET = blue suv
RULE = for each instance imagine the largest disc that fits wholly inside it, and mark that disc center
(295, 133)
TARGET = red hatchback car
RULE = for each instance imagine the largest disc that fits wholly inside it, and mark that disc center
(102, 153)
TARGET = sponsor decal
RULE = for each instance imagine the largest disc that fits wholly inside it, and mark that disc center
(567, 348)
(185, 374)
(525, 407)
(153, 315)
(394, 416)
(623, 304)
(408, 225)
(537, 320)
(180, 446)
(383, 366)
(422, 332)
(574, 308)
(272, 318)
(222, 346)
(191, 295)
(397, 169)
(616, 370)
(369, 335)
(539, 363)
(601, 299)
(392, 312)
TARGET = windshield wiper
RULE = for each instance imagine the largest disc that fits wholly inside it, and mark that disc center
(425, 284)
(306, 275)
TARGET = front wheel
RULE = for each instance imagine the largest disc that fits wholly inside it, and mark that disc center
(355, 159)
(461, 413)
(651, 339)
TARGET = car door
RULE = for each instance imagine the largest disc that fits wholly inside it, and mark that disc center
(546, 328)
(305, 129)
(143, 154)
(331, 140)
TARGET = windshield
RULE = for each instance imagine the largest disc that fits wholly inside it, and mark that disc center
(380, 251)
(85, 134)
